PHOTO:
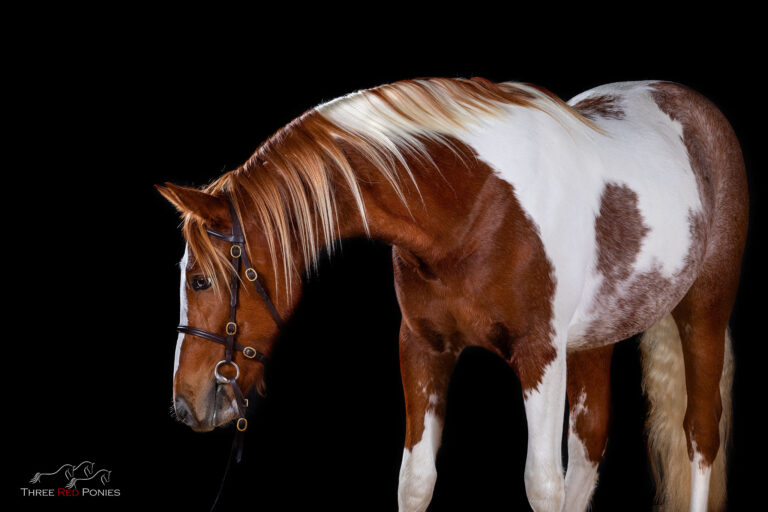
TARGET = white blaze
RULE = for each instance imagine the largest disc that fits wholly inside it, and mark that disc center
(182, 308)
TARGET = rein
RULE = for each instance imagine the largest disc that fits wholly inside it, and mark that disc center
(238, 256)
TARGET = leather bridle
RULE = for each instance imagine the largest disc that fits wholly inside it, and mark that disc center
(238, 255)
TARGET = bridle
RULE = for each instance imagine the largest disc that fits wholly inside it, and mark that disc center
(238, 255)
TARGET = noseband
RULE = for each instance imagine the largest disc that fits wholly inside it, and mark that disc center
(239, 255)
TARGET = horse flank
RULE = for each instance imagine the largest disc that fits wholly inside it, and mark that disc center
(289, 182)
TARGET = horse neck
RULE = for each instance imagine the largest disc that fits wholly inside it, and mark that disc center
(435, 218)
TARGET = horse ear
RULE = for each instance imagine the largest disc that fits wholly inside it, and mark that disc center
(201, 204)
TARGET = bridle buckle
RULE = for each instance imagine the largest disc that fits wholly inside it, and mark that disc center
(231, 328)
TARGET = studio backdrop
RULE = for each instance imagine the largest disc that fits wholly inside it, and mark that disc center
(96, 301)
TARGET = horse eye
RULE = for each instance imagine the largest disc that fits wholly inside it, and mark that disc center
(200, 283)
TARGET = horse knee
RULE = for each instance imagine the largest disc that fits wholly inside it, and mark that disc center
(545, 488)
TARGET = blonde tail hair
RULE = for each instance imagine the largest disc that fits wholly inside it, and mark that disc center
(664, 386)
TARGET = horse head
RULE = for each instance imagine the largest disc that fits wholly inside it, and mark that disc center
(202, 395)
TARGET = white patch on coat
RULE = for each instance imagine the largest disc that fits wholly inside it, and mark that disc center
(581, 476)
(700, 475)
(418, 473)
(183, 308)
(544, 162)
(559, 167)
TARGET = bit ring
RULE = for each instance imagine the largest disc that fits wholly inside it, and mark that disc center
(219, 377)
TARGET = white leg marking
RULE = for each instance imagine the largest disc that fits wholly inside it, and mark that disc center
(700, 473)
(418, 473)
(581, 477)
(544, 484)
(182, 309)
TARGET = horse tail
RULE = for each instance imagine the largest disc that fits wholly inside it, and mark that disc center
(664, 386)
(35, 478)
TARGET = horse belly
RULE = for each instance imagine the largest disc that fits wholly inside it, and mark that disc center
(630, 307)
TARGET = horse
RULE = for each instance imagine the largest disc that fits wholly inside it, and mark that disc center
(541, 230)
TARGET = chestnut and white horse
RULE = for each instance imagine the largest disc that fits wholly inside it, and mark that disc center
(541, 230)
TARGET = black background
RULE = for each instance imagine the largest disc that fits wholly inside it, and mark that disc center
(94, 294)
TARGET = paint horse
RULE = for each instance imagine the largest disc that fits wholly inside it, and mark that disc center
(541, 230)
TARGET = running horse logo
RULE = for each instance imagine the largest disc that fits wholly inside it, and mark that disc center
(69, 471)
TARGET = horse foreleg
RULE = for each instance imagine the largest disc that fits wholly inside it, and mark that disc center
(544, 396)
(589, 401)
(426, 371)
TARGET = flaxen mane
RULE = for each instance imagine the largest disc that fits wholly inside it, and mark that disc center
(288, 181)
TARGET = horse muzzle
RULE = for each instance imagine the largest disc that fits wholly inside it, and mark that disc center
(205, 415)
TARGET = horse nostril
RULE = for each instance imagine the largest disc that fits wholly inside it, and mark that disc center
(183, 411)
